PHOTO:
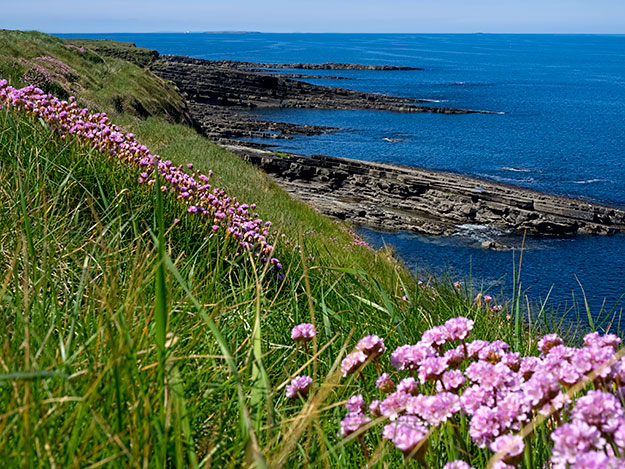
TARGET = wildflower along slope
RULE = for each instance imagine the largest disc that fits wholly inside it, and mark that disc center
(476, 394)
(224, 213)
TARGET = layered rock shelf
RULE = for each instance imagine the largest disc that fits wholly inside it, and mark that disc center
(305, 66)
(216, 92)
(398, 198)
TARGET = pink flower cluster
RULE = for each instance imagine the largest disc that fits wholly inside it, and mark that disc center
(300, 386)
(189, 185)
(498, 392)
(58, 66)
(368, 348)
(303, 332)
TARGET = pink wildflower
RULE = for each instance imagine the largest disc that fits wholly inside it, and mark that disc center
(303, 332)
(353, 362)
(300, 386)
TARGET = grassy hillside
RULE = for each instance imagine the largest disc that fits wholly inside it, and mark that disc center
(133, 339)
(99, 76)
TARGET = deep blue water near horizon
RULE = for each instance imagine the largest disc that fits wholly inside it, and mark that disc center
(559, 127)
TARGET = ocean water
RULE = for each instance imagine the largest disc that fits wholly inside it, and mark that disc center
(558, 126)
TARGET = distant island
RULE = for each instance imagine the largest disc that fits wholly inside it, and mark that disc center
(229, 32)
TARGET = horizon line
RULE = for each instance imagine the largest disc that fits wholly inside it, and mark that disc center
(341, 32)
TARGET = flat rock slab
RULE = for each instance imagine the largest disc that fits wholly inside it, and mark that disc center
(398, 198)
(217, 91)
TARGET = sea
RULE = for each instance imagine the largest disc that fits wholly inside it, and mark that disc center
(558, 126)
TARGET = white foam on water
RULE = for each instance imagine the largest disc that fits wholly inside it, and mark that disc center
(477, 232)
(590, 181)
(516, 170)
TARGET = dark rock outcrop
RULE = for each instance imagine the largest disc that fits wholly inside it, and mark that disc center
(216, 91)
(305, 66)
(300, 76)
(394, 198)
(211, 82)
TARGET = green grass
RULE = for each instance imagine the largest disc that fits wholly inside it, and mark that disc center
(80, 256)
(130, 341)
(101, 79)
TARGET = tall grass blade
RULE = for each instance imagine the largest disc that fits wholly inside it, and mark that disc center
(591, 321)
(160, 308)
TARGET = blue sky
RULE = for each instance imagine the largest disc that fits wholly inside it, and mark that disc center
(427, 16)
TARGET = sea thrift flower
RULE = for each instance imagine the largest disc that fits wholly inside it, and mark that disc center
(300, 386)
(512, 411)
(372, 346)
(353, 422)
(509, 448)
(503, 465)
(528, 366)
(303, 332)
(573, 439)
(432, 369)
(548, 342)
(458, 328)
(480, 371)
(408, 385)
(434, 409)
(475, 397)
(487, 299)
(457, 284)
(512, 361)
(600, 409)
(484, 426)
(494, 351)
(394, 404)
(556, 404)
(408, 435)
(384, 383)
(452, 381)
(374, 408)
(594, 358)
(619, 436)
(436, 336)
(455, 357)
(475, 347)
(355, 404)
(597, 460)
(353, 362)
(540, 389)
(457, 465)
(608, 340)
(186, 183)
(500, 392)
(410, 357)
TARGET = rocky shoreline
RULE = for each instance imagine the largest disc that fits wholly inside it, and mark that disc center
(400, 198)
(306, 66)
(217, 91)
(382, 196)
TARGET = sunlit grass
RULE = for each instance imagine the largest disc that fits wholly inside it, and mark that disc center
(80, 256)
